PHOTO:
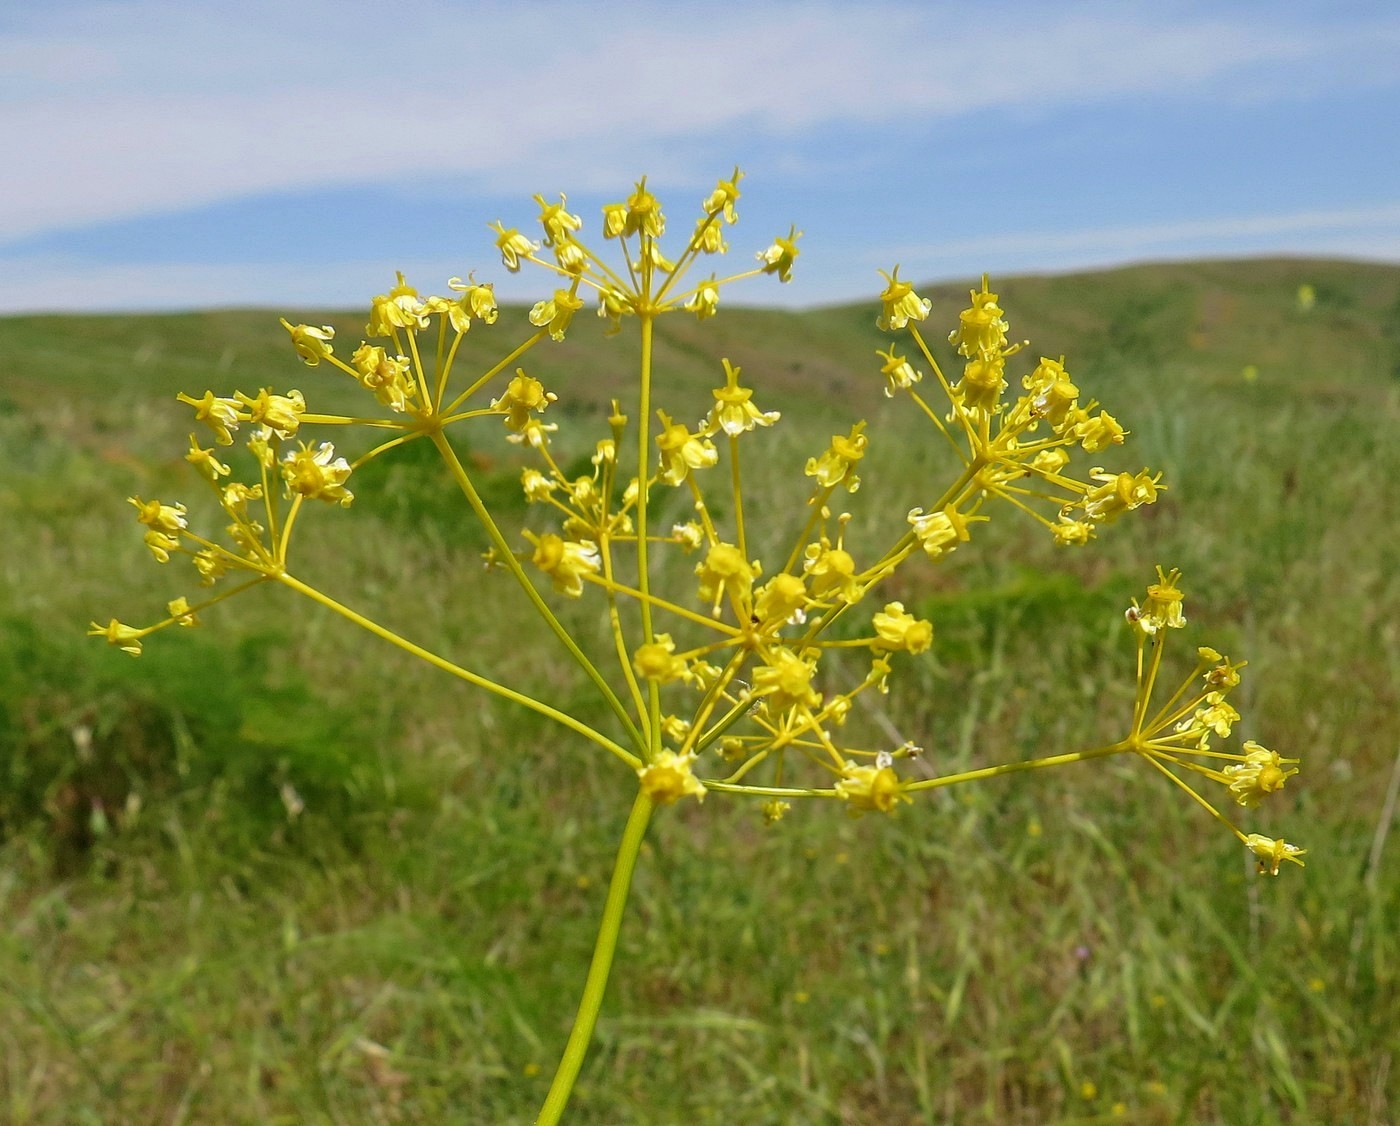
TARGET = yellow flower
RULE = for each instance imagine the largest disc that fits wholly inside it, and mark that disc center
(786, 680)
(318, 476)
(386, 377)
(167, 518)
(898, 629)
(900, 304)
(1217, 716)
(399, 308)
(642, 215)
(1097, 434)
(723, 198)
(512, 245)
(668, 778)
(220, 415)
(835, 466)
(523, 394)
(709, 237)
(556, 313)
(1071, 532)
(734, 411)
(869, 789)
(204, 461)
(565, 561)
(724, 570)
(312, 344)
(779, 257)
(774, 810)
(126, 638)
(179, 610)
(558, 224)
(658, 662)
(682, 451)
(537, 486)
(939, 532)
(1260, 774)
(1163, 608)
(780, 600)
(899, 373)
(1272, 853)
(279, 413)
(479, 300)
(981, 328)
(832, 571)
(704, 303)
(1118, 493)
(982, 383)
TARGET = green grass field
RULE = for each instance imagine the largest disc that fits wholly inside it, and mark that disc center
(1077, 945)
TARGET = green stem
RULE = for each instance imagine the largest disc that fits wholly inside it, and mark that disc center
(603, 951)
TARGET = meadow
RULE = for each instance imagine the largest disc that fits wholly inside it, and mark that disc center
(273, 871)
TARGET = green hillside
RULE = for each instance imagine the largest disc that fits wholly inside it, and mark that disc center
(180, 942)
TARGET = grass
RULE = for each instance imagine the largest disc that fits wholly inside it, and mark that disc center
(1080, 946)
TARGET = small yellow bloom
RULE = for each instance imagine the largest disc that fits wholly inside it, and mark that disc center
(668, 778)
(658, 662)
(1272, 853)
(982, 383)
(1118, 493)
(512, 245)
(537, 486)
(981, 329)
(900, 304)
(869, 789)
(704, 303)
(126, 638)
(786, 680)
(899, 373)
(399, 308)
(565, 561)
(724, 571)
(179, 610)
(832, 571)
(779, 257)
(1163, 608)
(782, 599)
(279, 413)
(220, 415)
(721, 201)
(523, 395)
(312, 344)
(556, 313)
(836, 466)
(682, 451)
(386, 376)
(643, 213)
(479, 300)
(204, 461)
(734, 411)
(319, 475)
(774, 810)
(1096, 434)
(558, 224)
(167, 518)
(1259, 775)
(1072, 532)
(898, 629)
(939, 532)
(709, 237)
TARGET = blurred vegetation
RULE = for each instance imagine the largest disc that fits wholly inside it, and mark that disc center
(274, 872)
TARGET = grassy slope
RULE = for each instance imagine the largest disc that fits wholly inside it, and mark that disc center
(411, 944)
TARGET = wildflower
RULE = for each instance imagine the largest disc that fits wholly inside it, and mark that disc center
(704, 303)
(868, 789)
(556, 313)
(899, 373)
(399, 308)
(682, 451)
(981, 327)
(565, 561)
(1271, 853)
(689, 535)
(982, 383)
(612, 307)
(523, 395)
(1052, 393)
(1118, 493)
(780, 600)
(1260, 774)
(657, 661)
(642, 214)
(774, 810)
(478, 299)
(779, 257)
(204, 461)
(211, 566)
(786, 680)
(1097, 434)
(279, 413)
(668, 778)
(832, 571)
(312, 344)
(898, 629)
(126, 638)
(734, 411)
(558, 224)
(1216, 716)
(571, 256)
(167, 518)
(724, 571)
(900, 304)
(220, 415)
(537, 486)
(935, 531)
(1163, 608)
(512, 245)
(709, 237)
(387, 377)
(835, 466)
(318, 476)
(179, 610)
(721, 201)
(161, 545)
(1072, 532)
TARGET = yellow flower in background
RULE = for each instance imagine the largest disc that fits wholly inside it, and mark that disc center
(310, 343)
(1272, 853)
(780, 256)
(669, 777)
(318, 474)
(900, 304)
(870, 789)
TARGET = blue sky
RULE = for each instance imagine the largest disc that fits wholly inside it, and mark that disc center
(177, 155)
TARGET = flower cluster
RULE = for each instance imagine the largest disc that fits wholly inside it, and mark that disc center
(734, 679)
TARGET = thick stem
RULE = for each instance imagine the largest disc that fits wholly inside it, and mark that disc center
(603, 950)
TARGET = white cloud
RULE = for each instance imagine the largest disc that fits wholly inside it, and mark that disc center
(144, 106)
